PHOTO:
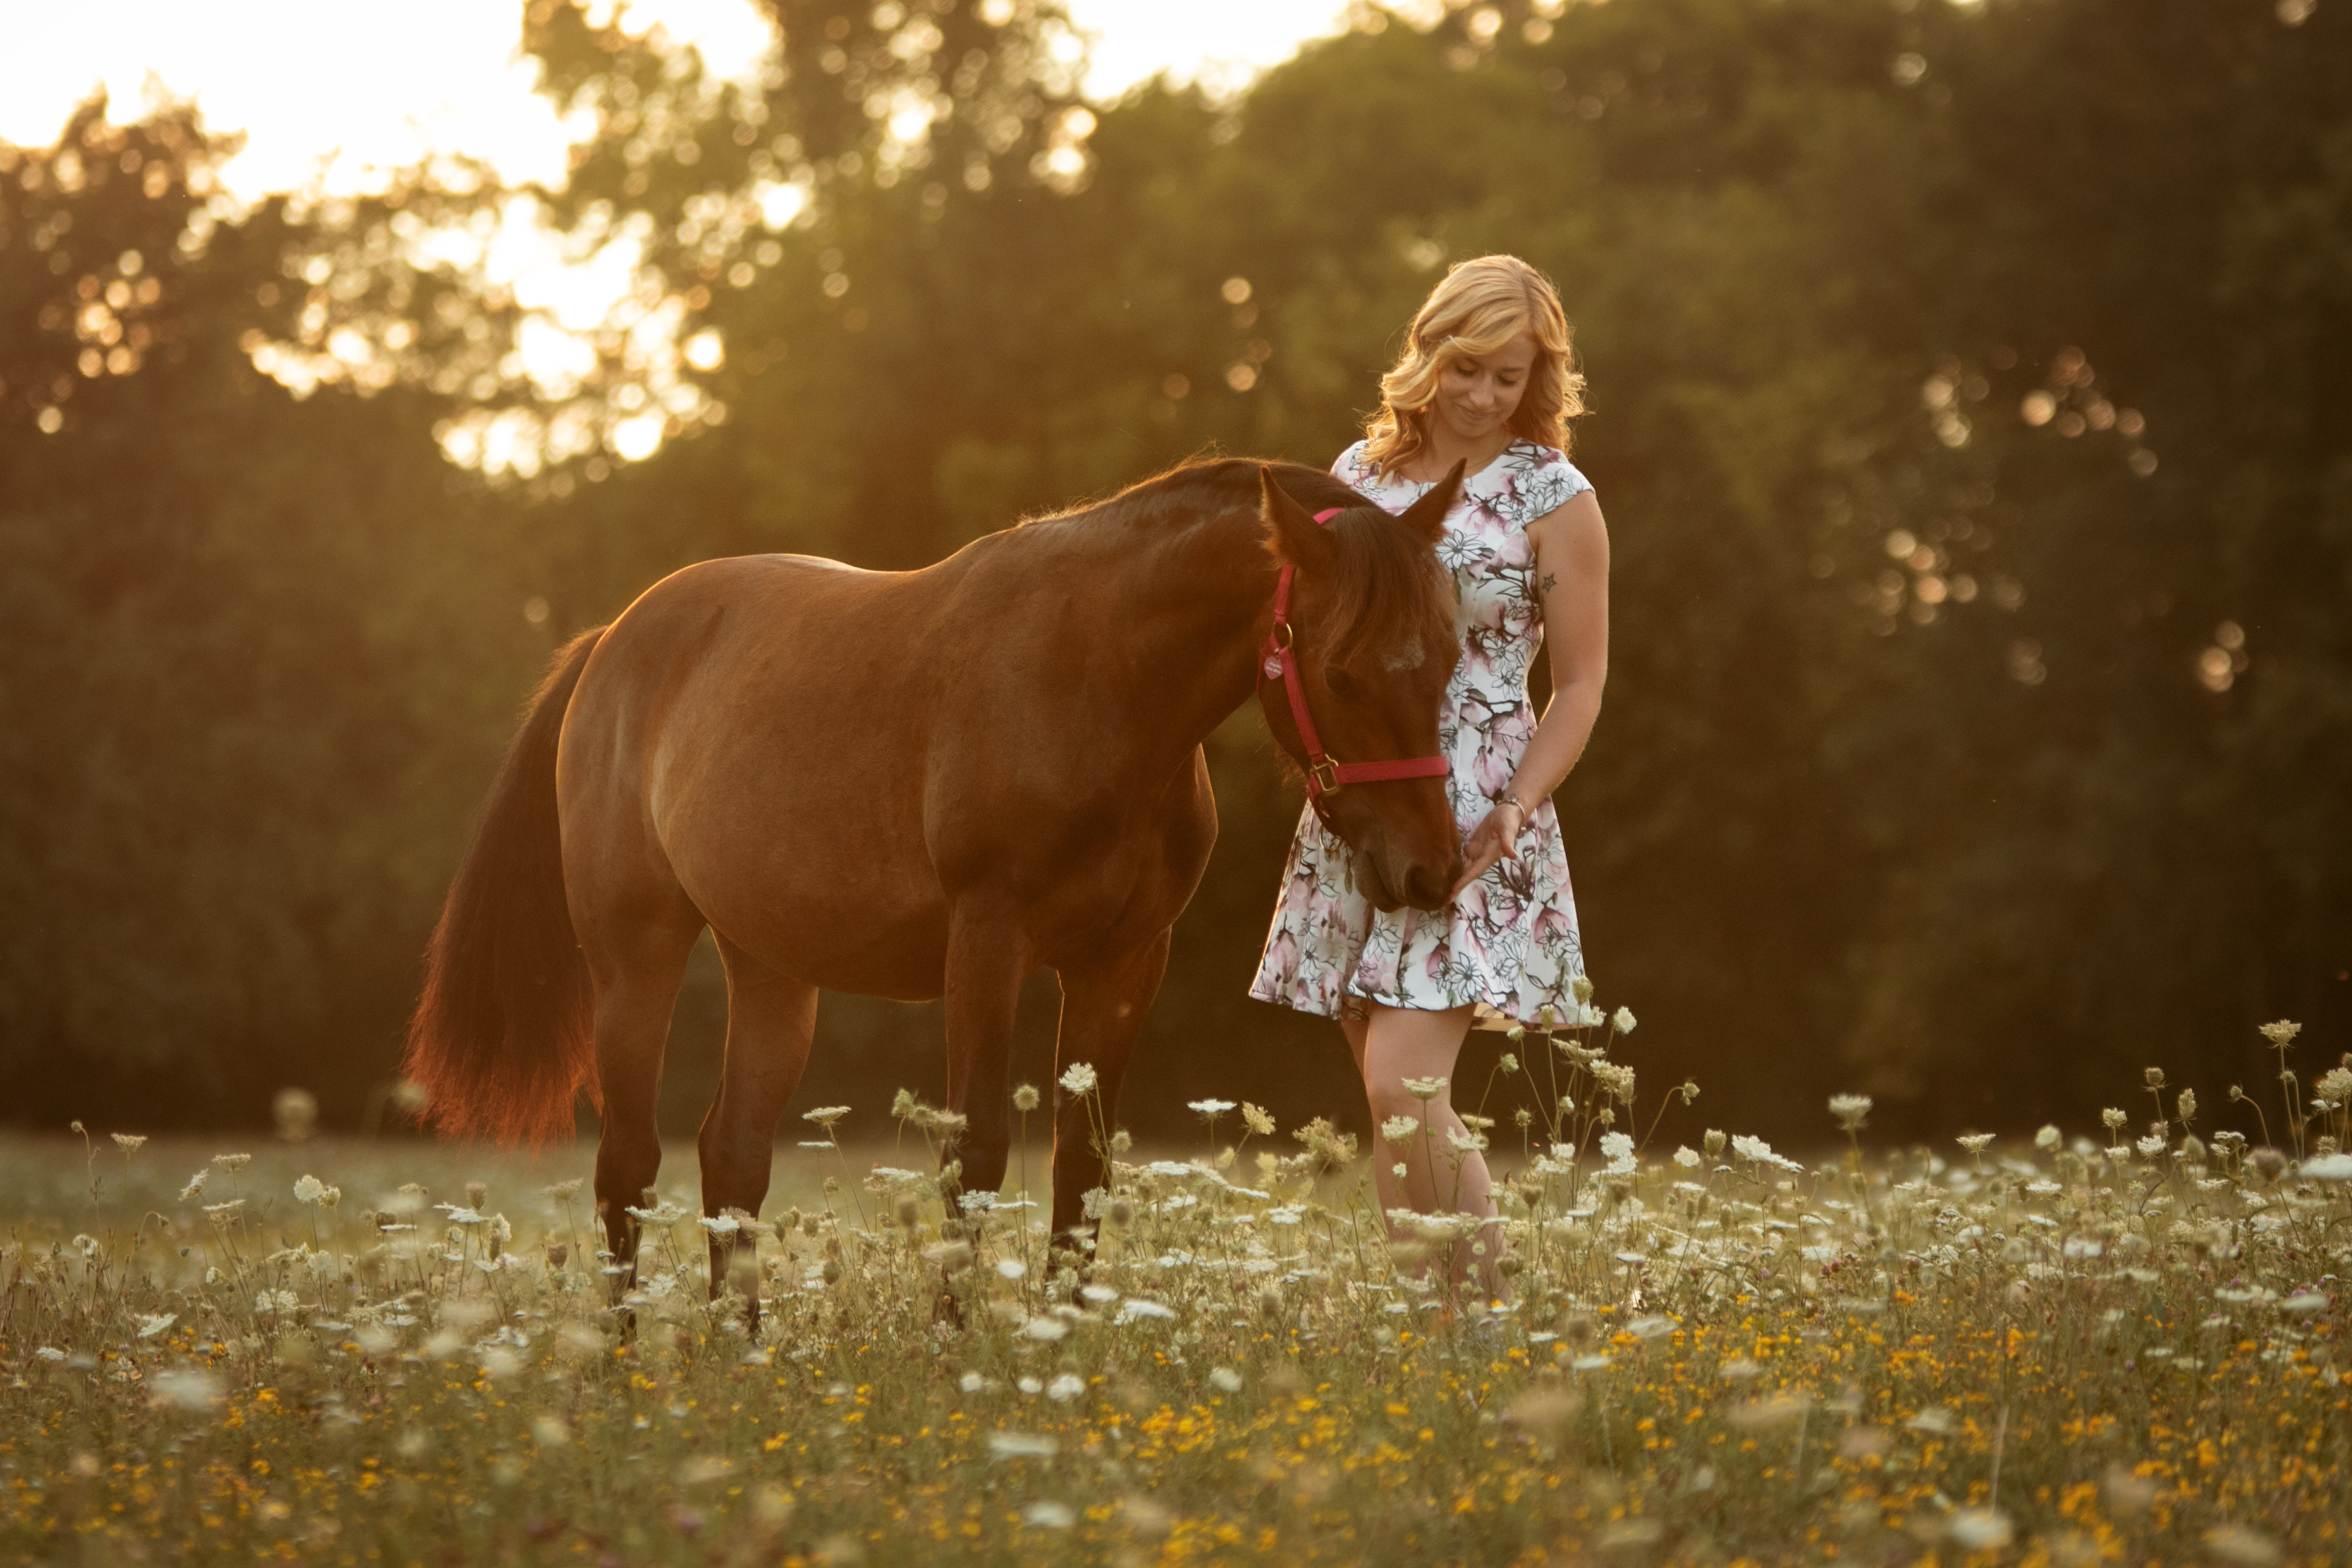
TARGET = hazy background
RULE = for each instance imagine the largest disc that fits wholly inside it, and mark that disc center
(1972, 408)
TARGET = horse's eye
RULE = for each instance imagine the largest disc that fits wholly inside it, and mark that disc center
(1341, 682)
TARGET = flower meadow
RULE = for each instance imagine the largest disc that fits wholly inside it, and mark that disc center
(2118, 1345)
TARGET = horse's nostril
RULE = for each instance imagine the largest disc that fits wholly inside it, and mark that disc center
(1427, 891)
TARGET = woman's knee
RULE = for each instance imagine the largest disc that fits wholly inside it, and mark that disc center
(1388, 1096)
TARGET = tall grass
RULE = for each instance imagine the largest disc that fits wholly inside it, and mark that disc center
(2073, 1351)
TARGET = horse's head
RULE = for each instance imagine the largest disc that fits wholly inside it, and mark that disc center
(1371, 617)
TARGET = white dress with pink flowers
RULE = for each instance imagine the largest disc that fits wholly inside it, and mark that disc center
(1508, 946)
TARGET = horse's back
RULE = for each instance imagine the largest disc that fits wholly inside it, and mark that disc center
(745, 726)
(827, 758)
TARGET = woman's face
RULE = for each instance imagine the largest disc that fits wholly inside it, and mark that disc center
(1476, 397)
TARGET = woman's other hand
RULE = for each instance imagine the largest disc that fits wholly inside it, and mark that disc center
(1495, 838)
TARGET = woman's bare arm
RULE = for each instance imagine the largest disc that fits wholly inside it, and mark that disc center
(1572, 571)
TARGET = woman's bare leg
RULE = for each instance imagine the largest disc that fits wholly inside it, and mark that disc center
(1391, 1046)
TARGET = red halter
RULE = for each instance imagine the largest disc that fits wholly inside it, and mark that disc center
(1324, 774)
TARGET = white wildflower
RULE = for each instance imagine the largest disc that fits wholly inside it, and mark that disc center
(1136, 1307)
(1212, 1109)
(1011, 1267)
(2152, 1145)
(825, 1116)
(148, 1326)
(129, 1143)
(1064, 1388)
(1046, 1514)
(232, 1164)
(2048, 1138)
(1850, 1110)
(1424, 1088)
(2282, 1034)
(1079, 1080)
(1021, 1446)
(1464, 1143)
(1397, 1129)
(1687, 1158)
(1621, 1020)
(1618, 1149)
(1761, 1151)
(1979, 1529)
(310, 1190)
(1046, 1329)
(1226, 1379)
(189, 1388)
(195, 1184)
(1974, 1142)
(1257, 1118)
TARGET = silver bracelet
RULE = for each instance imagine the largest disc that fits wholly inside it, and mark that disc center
(1514, 800)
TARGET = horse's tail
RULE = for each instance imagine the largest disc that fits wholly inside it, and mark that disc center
(501, 1040)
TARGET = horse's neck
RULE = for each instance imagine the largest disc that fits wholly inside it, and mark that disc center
(1189, 613)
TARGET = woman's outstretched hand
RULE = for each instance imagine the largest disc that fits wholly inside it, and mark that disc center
(1495, 838)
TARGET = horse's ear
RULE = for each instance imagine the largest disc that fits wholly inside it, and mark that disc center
(1426, 516)
(1291, 532)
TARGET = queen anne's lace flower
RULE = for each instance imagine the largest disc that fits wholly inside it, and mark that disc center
(1079, 1078)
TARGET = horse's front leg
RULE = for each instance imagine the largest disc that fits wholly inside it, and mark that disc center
(987, 959)
(1103, 1008)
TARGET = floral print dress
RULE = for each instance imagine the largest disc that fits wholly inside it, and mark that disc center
(1508, 946)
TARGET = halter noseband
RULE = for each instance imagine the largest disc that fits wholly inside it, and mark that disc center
(1324, 774)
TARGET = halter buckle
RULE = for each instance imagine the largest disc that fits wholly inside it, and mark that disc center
(1282, 636)
(1325, 773)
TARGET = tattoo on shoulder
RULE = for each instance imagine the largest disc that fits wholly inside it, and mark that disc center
(1550, 580)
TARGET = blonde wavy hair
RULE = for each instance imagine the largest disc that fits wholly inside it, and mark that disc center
(1480, 306)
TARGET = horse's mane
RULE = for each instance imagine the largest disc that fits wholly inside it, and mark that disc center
(1385, 580)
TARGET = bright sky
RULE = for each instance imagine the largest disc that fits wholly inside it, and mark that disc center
(331, 92)
(351, 85)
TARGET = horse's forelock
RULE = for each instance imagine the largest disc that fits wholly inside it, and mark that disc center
(1386, 590)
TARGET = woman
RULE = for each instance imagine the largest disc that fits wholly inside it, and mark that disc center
(1487, 375)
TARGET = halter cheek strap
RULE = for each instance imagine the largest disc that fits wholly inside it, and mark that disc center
(1324, 774)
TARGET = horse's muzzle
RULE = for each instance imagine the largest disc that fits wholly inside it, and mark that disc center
(1430, 887)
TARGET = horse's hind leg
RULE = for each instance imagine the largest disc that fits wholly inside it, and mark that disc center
(771, 1020)
(637, 968)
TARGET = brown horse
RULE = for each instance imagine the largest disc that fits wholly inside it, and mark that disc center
(910, 784)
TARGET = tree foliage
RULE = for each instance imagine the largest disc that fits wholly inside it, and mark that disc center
(1969, 406)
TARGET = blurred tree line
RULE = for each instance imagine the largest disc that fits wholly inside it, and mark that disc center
(1972, 407)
